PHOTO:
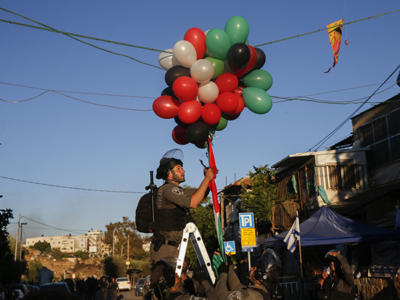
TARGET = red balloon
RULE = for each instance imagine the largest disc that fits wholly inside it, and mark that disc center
(210, 114)
(227, 102)
(179, 135)
(239, 90)
(252, 62)
(185, 88)
(189, 112)
(166, 107)
(240, 106)
(197, 38)
(226, 82)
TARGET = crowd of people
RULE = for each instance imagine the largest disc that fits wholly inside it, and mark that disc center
(172, 212)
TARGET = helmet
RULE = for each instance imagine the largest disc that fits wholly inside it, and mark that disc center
(268, 262)
(163, 275)
(169, 160)
(331, 257)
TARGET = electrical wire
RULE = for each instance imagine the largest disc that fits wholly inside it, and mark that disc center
(57, 228)
(318, 145)
(73, 188)
(72, 37)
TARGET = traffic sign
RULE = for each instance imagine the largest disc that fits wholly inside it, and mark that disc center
(230, 247)
(246, 220)
(247, 249)
(248, 236)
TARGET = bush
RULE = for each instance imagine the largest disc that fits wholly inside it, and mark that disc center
(56, 253)
(42, 246)
(83, 255)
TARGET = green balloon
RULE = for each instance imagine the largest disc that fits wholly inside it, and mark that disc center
(218, 65)
(237, 29)
(259, 79)
(247, 42)
(218, 43)
(257, 100)
(220, 125)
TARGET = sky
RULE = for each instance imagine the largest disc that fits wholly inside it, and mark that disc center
(65, 140)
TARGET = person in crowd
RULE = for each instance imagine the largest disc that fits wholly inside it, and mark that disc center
(114, 289)
(263, 277)
(337, 278)
(168, 285)
(103, 286)
(173, 204)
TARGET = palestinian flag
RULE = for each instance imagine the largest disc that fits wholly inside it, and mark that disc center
(217, 208)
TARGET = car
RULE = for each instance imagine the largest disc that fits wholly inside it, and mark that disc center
(33, 288)
(55, 286)
(123, 283)
(140, 286)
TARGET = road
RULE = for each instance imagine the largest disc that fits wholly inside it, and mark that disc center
(124, 295)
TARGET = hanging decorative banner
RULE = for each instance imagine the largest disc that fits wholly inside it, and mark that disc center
(335, 37)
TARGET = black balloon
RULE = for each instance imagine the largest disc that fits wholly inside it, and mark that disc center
(238, 56)
(179, 122)
(168, 92)
(174, 73)
(260, 59)
(201, 145)
(197, 133)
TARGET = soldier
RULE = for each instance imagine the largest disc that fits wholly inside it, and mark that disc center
(103, 286)
(114, 289)
(172, 205)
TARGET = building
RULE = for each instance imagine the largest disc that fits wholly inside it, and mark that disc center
(66, 243)
(95, 238)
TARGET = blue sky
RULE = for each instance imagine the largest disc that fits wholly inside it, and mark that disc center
(57, 140)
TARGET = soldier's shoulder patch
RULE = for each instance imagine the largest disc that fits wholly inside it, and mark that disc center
(178, 191)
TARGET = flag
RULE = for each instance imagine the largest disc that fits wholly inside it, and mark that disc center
(293, 235)
(217, 209)
(335, 37)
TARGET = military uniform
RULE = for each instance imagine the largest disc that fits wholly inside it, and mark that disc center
(211, 294)
(171, 196)
(103, 285)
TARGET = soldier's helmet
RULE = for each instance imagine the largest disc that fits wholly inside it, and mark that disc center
(163, 276)
(268, 262)
(169, 160)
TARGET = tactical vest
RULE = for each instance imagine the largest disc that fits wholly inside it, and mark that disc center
(174, 219)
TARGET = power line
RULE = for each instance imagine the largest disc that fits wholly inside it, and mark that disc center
(57, 228)
(68, 187)
(315, 31)
(72, 37)
(316, 146)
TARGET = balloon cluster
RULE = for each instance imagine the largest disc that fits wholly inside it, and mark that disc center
(212, 76)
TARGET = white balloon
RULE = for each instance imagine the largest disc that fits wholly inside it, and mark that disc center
(202, 70)
(185, 53)
(167, 60)
(208, 92)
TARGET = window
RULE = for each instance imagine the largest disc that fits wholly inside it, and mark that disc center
(340, 176)
(349, 178)
(382, 135)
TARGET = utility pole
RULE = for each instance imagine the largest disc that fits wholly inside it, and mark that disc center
(16, 240)
(127, 257)
(113, 239)
(20, 251)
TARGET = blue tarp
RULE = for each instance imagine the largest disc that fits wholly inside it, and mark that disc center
(326, 227)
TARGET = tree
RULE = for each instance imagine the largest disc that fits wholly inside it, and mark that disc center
(203, 216)
(82, 254)
(114, 266)
(42, 247)
(56, 253)
(123, 231)
(33, 269)
(260, 198)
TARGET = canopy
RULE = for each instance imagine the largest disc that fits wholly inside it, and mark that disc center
(326, 227)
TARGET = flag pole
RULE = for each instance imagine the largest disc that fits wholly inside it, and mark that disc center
(301, 259)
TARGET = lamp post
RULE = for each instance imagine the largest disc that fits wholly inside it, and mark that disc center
(113, 239)
(20, 250)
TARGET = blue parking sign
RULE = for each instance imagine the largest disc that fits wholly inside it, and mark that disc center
(230, 247)
(246, 220)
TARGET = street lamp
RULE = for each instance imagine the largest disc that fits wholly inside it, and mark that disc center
(113, 239)
(20, 250)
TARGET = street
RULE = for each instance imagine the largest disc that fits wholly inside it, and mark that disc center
(125, 295)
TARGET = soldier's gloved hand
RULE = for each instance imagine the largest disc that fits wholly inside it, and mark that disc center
(200, 274)
(230, 263)
(223, 268)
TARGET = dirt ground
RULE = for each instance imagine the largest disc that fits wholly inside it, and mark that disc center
(68, 266)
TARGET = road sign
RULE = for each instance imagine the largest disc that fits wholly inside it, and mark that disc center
(246, 220)
(230, 247)
(248, 236)
(247, 249)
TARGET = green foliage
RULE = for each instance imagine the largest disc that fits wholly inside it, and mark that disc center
(203, 216)
(82, 254)
(56, 253)
(262, 194)
(33, 269)
(43, 247)
(114, 266)
(6, 256)
(123, 231)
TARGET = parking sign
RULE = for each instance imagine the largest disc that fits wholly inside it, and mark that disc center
(246, 220)
(230, 247)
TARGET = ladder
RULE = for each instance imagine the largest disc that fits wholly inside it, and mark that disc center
(191, 231)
